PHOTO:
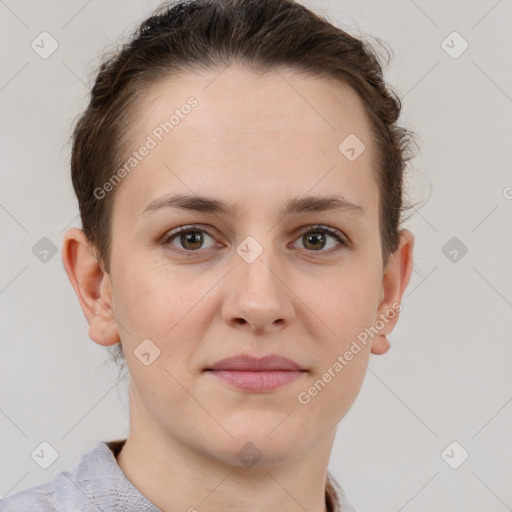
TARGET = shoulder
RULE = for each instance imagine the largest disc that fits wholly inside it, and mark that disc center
(34, 499)
(75, 489)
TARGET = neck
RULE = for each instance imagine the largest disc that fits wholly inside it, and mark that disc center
(174, 476)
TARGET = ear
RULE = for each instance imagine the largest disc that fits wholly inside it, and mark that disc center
(395, 280)
(92, 286)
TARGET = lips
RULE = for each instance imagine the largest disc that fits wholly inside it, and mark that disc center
(253, 364)
(256, 375)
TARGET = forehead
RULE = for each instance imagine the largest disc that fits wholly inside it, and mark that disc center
(276, 134)
(237, 98)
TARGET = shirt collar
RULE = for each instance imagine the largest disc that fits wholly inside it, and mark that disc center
(97, 478)
(335, 496)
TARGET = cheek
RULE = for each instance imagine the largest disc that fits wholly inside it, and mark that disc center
(144, 287)
(347, 304)
(160, 302)
(332, 390)
(348, 308)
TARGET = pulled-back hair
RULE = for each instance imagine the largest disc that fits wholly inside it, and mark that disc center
(263, 35)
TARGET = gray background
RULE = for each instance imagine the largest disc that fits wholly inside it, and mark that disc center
(447, 376)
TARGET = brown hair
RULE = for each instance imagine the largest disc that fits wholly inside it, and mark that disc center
(192, 35)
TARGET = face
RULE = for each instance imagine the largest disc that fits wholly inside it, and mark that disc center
(251, 279)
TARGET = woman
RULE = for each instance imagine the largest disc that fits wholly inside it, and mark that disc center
(239, 175)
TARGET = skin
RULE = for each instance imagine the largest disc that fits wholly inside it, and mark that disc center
(255, 142)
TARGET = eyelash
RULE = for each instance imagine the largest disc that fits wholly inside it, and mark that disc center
(320, 228)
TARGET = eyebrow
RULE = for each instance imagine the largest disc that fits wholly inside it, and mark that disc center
(293, 206)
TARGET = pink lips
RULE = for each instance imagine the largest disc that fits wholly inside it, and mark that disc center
(257, 375)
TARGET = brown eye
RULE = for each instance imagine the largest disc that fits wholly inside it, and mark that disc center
(189, 239)
(316, 239)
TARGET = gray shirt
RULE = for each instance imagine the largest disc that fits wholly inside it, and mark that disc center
(97, 484)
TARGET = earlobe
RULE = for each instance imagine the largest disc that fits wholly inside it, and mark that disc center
(395, 280)
(92, 286)
(380, 344)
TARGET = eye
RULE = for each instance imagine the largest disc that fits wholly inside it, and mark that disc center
(190, 238)
(315, 238)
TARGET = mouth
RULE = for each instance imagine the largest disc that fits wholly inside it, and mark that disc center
(257, 374)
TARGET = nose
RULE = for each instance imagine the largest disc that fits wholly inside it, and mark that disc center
(257, 297)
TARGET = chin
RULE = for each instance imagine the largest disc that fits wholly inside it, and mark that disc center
(263, 436)
(256, 454)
